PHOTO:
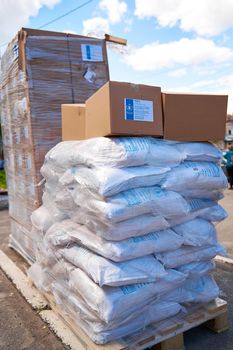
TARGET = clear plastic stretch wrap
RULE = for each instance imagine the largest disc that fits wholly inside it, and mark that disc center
(40, 71)
(127, 231)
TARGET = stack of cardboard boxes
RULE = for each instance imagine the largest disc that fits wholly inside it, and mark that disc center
(136, 110)
(40, 71)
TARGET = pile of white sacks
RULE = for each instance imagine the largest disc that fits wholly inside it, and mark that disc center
(125, 236)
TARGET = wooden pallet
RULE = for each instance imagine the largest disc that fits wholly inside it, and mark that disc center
(166, 335)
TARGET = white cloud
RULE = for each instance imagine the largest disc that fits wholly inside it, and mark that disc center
(185, 51)
(177, 73)
(96, 26)
(115, 10)
(128, 24)
(15, 14)
(205, 17)
(222, 85)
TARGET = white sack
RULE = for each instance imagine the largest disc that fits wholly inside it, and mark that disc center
(108, 181)
(197, 268)
(69, 232)
(197, 232)
(210, 195)
(133, 227)
(134, 202)
(112, 303)
(42, 219)
(115, 152)
(101, 332)
(186, 255)
(199, 151)
(198, 290)
(106, 272)
(214, 212)
(195, 176)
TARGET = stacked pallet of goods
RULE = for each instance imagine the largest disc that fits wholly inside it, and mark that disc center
(126, 232)
(40, 71)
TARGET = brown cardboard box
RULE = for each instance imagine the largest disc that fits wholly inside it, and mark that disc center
(31, 96)
(124, 109)
(73, 121)
(194, 117)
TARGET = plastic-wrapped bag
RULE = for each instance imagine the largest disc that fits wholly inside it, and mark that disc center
(197, 268)
(134, 202)
(186, 255)
(127, 249)
(108, 181)
(212, 212)
(51, 174)
(195, 176)
(105, 272)
(42, 219)
(112, 303)
(197, 290)
(101, 332)
(199, 151)
(208, 195)
(115, 152)
(197, 232)
(133, 227)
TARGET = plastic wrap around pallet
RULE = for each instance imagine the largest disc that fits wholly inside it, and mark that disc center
(39, 71)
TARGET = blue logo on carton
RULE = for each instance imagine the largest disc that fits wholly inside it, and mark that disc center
(88, 52)
(129, 109)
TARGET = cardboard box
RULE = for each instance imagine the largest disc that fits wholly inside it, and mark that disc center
(40, 71)
(124, 109)
(194, 117)
(73, 122)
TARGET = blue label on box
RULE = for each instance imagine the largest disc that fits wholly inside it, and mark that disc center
(129, 109)
(138, 110)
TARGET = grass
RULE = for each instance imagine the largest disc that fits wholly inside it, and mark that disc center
(3, 179)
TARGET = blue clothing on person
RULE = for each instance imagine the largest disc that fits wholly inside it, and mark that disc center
(229, 158)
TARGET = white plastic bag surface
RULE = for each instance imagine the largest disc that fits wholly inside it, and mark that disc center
(215, 213)
(197, 290)
(42, 219)
(186, 255)
(195, 176)
(127, 249)
(212, 212)
(108, 181)
(115, 152)
(197, 232)
(197, 268)
(106, 272)
(101, 332)
(199, 151)
(112, 303)
(133, 227)
(134, 202)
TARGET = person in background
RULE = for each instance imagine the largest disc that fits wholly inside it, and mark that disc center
(229, 165)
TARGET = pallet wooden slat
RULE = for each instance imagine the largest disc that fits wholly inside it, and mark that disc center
(168, 337)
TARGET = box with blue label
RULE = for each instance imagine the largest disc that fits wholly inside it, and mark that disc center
(124, 109)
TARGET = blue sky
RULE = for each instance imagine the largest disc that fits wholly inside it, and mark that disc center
(180, 45)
